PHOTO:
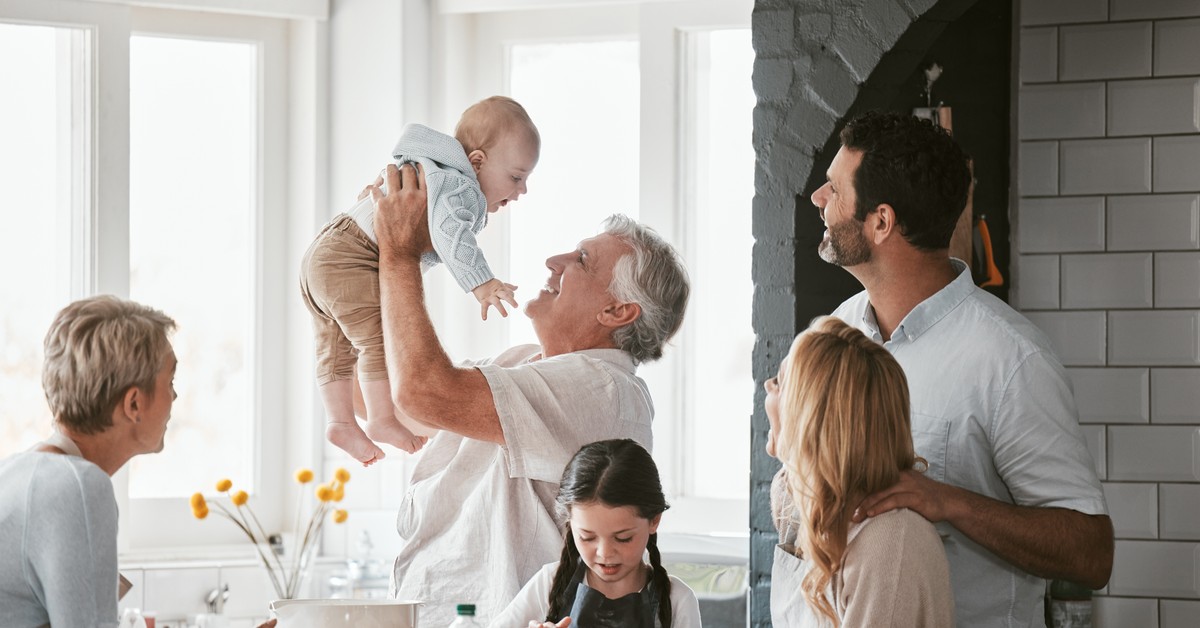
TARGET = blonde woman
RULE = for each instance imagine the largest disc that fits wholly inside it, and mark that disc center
(839, 413)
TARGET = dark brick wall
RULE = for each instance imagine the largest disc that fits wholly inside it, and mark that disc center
(818, 63)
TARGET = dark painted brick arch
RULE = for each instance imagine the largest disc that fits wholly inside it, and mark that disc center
(818, 63)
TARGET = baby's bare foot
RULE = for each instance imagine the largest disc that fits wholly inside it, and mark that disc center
(391, 431)
(350, 438)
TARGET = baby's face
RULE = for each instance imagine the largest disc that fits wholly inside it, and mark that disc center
(504, 171)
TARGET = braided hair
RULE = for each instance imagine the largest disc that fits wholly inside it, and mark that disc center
(614, 473)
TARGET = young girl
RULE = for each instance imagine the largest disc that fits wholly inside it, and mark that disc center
(839, 413)
(612, 499)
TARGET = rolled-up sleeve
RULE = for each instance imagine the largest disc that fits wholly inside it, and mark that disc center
(1039, 448)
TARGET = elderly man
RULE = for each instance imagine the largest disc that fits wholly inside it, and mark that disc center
(992, 411)
(478, 517)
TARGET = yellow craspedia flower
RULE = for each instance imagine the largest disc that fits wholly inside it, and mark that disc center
(239, 498)
(224, 485)
(324, 492)
(339, 492)
(340, 516)
(304, 476)
(200, 512)
(341, 475)
(197, 501)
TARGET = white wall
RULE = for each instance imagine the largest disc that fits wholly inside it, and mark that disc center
(1107, 231)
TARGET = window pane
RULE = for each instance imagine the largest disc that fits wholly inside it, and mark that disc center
(721, 386)
(192, 224)
(36, 166)
(584, 98)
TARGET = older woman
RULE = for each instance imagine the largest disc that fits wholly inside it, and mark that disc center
(839, 413)
(108, 375)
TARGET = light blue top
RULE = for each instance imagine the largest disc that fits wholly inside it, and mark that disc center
(58, 534)
(457, 207)
(992, 412)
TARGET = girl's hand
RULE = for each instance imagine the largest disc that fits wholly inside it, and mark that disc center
(566, 621)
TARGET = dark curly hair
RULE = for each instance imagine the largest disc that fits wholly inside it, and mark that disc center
(914, 166)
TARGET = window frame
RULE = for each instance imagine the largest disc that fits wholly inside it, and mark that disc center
(662, 30)
(154, 529)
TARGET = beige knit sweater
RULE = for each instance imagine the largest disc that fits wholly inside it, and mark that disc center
(894, 572)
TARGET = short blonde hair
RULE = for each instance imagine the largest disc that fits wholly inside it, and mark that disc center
(844, 431)
(493, 120)
(96, 350)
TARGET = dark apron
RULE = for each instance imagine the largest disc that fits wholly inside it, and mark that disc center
(590, 609)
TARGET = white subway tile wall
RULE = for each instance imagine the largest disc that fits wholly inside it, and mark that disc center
(1177, 163)
(1066, 110)
(1176, 47)
(1077, 337)
(1117, 166)
(1111, 395)
(1152, 9)
(1157, 106)
(1155, 453)
(1038, 276)
(1155, 568)
(1155, 337)
(1063, 11)
(1177, 279)
(1133, 508)
(1101, 51)
(1107, 280)
(1123, 612)
(1061, 224)
(1160, 222)
(1108, 264)
(1179, 511)
(1039, 172)
(1178, 613)
(1175, 396)
(1039, 55)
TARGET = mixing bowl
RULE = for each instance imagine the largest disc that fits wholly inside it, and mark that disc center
(337, 613)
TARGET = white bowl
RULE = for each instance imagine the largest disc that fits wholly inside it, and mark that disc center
(357, 613)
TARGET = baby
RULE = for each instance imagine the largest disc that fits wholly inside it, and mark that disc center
(476, 172)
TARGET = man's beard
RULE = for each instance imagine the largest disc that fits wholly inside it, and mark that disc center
(846, 245)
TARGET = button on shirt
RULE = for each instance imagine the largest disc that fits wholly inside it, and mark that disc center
(993, 413)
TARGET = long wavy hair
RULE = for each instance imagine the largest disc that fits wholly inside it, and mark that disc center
(614, 473)
(844, 434)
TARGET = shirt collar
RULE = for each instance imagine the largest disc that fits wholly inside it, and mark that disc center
(931, 310)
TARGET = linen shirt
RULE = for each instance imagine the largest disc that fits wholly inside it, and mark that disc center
(533, 602)
(479, 518)
(993, 413)
(58, 528)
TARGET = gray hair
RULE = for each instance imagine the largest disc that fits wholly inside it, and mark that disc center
(652, 276)
(96, 350)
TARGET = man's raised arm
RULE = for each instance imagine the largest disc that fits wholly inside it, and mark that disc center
(426, 385)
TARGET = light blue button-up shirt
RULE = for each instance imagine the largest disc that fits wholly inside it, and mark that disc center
(992, 412)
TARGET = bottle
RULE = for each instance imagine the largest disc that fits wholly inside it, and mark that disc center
(466, 616)
(1070, 605)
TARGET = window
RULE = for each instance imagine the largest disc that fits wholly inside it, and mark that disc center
(561, 84)
(150, 163)
(41, 198)
(204, 195)
(192, 117)
(644, 109)
(719, 187)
